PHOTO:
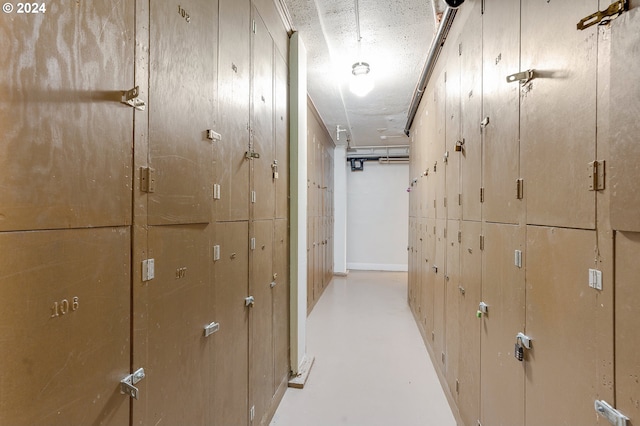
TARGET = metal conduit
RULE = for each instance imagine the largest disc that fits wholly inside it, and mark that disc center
(434, 53)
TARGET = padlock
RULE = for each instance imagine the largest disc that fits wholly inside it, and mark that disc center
(518, 351)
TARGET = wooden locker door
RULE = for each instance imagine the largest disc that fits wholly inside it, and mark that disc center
(438, 148)
(571, 325)
(181, 110)
(430, 182)
(261, 354)
(503, 290)
(558, 112)
(66, 137)
(231, 343)
(282, 137)
(428, 278)
(232, 166)
(501, 103)
(627, 300)
(451, 158)
(452, 281)
(471, 100)
(281, 304)
(624, 124)
(438, 271)
(170, 313)
(470, 293)
(65, 318)
(262, 121)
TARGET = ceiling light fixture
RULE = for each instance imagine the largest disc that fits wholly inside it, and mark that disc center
(361, 82)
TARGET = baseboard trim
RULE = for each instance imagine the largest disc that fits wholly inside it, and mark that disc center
(300, 380)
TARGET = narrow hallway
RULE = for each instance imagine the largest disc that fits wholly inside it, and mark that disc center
(371, 367)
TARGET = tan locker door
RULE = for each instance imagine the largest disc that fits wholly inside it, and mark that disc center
(170, 313)
(470, 293)
(413, 238)
(65, 320)
(262, 121)
(471, 100)
(261, 321)
(568, 322)
(65, 154)
(310, 260)
(281, 303)
(503, 289)
(501, 103)
(282, 137)
(438, 148)
(438, 271)
(428, 277)
(452, 281)
(558, 112)
(626, 325)
(429, 138)
(181, 110)
(624, 124)
(232, 167)
(451, 158)
(231, 343)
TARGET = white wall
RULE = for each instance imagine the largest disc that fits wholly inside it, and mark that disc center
(378, 217)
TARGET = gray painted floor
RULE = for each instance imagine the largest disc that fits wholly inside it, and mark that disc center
(371, 367)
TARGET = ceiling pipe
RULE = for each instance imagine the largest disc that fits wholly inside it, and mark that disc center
(432, 58)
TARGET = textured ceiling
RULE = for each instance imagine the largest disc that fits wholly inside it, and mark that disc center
(395, 38)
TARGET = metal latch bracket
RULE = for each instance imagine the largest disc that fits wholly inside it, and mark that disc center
(523, 77)
(250, 155)
(615, 417)
(127, 385)
(130, 97)
(605, 16)
(211, 328)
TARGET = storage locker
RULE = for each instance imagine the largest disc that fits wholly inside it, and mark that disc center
(280, 171)
(182, 111)
(451, 157)
(65, 323)
(452, 281)
(281, 303)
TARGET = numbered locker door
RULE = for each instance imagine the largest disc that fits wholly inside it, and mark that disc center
(262, 125)
(66, 137)
(65, 323)
(501, 103)
(571, 327)
(261, 320)
(558, 112)
(170, 313)
(503, 290)
(232, 166)
(231, 342)
(181, 111)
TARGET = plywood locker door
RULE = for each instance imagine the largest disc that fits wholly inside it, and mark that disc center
(438, 147)
(310, 259)
(452, 281)
(470, 295)
(451, 157)
(262, 124)
(571, 327)
(627, 300)
(281, 303)
(281, 172)
(231, 164)
(317, 262)
(170, 313)
(501, 103)
(413, 237)
(430, 156)
(428, 277)
(231, 343)
(558, 112)
(471, 106)
(181, 110)
(65, 318)
(624, 125)
(261, 320)
(438, 271)
(503, 290)
(66, 137)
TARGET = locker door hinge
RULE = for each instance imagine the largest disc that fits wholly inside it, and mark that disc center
(482, 195)
(604, 17)
(445, 202)
(445, 233)
(445, 77)
(216, 191)
(213, 136)
(253, 197)
(481, 242)
(211, 328)
(457, 386)
(596, 175)
(147, 179)
(127, 385)
(254, 27)
(459, 199)
(252, 413)
(460, 49)
(520, 189)
(459, 236)
(216, 252)
(130, 97)
(614, 416)
(274, 169)
(148, 270)
(252, 243)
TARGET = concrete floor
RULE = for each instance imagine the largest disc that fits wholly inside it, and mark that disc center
(371, 367)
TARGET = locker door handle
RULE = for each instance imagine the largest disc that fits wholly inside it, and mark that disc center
(249, 301)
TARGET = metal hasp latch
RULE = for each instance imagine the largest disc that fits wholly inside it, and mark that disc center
(604, 17)
(130, 97)
(249, 301)
(127, 384)
(213, 136)
(524, 340)
(211, 328)
(615, 417)
(523, 77)
(483, 308)
(251, 155)
(274, 168)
